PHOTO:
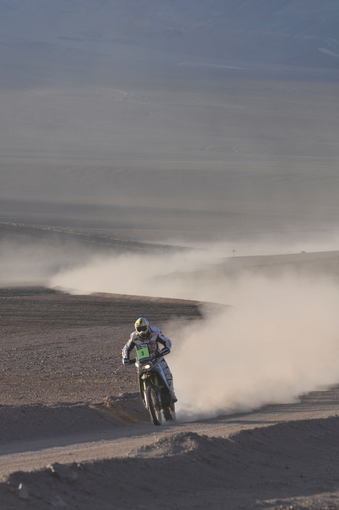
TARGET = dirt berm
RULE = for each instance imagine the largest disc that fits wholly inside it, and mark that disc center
(291, 465)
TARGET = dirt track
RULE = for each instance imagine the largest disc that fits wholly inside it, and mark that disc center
(279, 457)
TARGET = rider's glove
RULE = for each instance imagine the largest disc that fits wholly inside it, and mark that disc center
(126, 361)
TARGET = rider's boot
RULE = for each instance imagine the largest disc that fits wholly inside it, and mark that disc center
(174, 398)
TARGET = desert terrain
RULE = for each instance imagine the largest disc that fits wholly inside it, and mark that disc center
(179, 161)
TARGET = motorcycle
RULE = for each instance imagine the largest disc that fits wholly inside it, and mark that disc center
(154, 389)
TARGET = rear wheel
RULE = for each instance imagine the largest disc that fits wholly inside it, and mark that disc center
(153, 404)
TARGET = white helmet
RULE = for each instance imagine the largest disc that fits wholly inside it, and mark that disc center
(142, 327)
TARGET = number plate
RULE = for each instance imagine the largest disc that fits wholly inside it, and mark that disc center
(143, 353)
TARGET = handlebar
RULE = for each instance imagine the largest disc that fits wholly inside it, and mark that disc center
(158, 355)
(134, 360)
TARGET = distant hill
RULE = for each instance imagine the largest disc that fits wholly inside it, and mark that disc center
(182, 115)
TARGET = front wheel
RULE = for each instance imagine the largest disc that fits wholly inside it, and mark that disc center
(153, 404)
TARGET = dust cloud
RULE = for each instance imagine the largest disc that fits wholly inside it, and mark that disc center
(34, 263)
(279, 340)
(276, 340)
(146, 275)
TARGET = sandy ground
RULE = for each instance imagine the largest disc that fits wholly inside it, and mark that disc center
(74, 435)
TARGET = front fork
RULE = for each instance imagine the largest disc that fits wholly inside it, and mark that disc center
(156, 384)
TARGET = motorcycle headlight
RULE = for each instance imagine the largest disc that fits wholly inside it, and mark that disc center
(146, 367)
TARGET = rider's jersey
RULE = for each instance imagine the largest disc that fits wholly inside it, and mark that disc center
(155, 338)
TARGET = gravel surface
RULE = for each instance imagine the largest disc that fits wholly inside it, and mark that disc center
(57, 348)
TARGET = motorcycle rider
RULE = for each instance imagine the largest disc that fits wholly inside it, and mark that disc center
(154, 338)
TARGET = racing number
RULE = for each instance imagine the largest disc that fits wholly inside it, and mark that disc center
(143, 353)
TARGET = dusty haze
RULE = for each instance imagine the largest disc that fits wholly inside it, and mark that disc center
(276, 340)
(272, 337)
(204, 121)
